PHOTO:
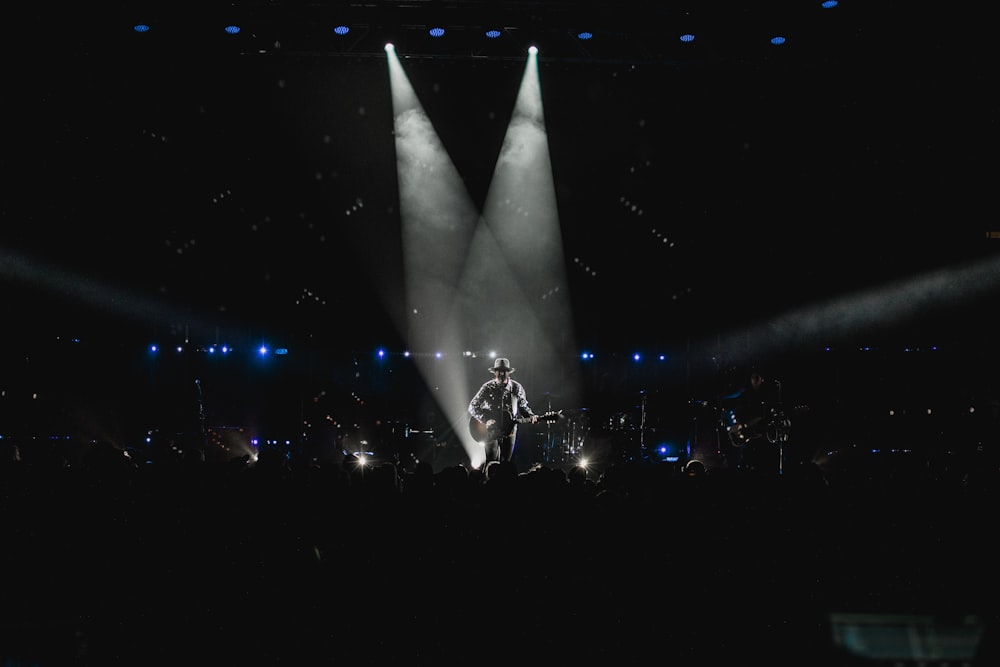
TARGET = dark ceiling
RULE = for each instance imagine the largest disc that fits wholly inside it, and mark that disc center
(187, 179)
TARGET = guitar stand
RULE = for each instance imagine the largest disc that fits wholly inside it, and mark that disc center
(643, 456)
(777, 433)
(777, 430)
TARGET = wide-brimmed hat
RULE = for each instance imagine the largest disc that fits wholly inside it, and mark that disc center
(501, 364)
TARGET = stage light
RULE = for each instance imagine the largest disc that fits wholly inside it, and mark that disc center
(667, 452)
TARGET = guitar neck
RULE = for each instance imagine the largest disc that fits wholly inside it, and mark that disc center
(548, 416)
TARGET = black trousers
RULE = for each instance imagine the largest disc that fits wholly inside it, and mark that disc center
(501, 449)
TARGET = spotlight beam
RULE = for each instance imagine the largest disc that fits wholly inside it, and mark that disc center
(891, 305)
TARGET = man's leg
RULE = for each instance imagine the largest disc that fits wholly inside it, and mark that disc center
(506, 446)
(492, 448)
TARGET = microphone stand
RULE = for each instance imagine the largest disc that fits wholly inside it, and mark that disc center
(502, 413)
(506, 421)
(550, 437)
(779, 430)
(642, 430)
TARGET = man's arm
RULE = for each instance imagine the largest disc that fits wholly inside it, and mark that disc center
(522, 404)
(478, 406)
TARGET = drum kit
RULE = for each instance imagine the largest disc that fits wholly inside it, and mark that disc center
(719, 431)
(565, 442)
(599, 435)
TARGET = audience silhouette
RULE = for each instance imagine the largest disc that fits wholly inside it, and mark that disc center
(269, 560)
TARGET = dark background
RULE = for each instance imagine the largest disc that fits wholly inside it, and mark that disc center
(178, 188)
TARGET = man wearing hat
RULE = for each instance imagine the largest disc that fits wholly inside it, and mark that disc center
(496, 410)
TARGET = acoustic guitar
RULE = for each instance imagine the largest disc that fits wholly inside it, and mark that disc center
(774, 426)
(483, 433)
